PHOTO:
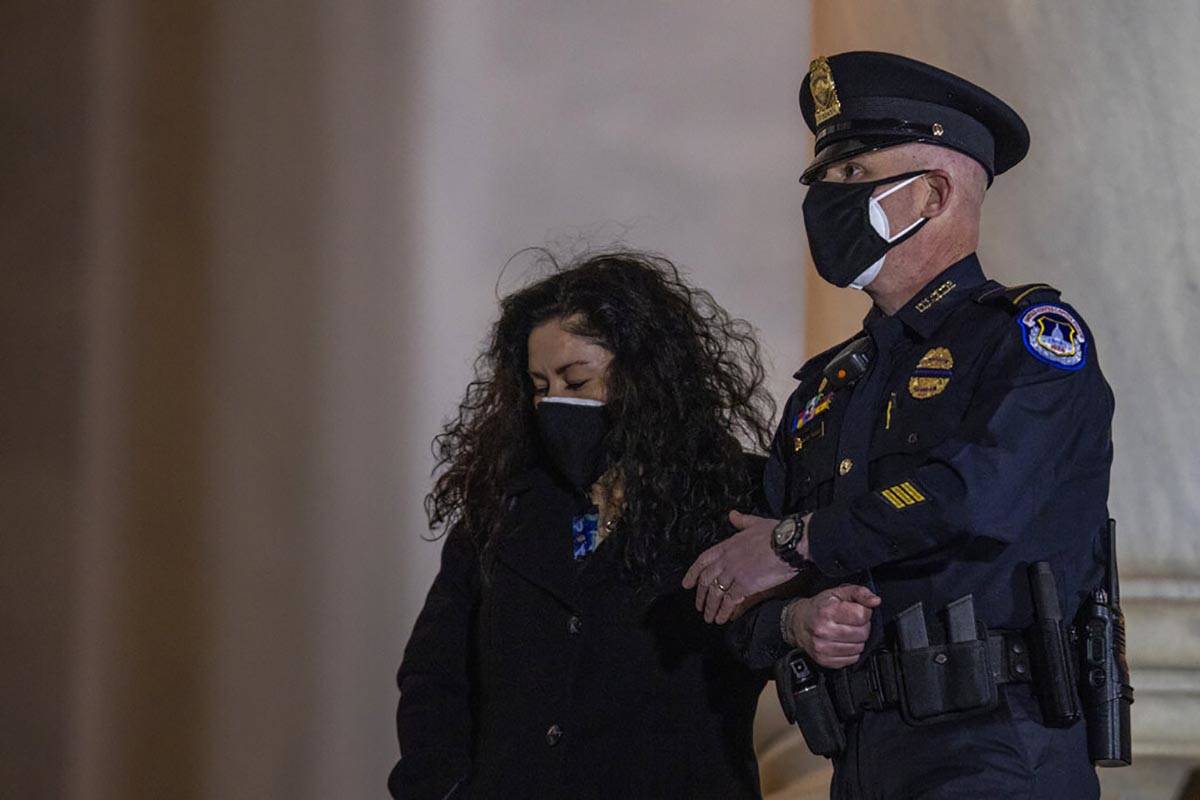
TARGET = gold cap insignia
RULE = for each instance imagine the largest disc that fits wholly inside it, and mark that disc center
(932, 375)
(824, 91)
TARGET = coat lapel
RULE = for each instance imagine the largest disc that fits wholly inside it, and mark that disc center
(538, 546)
(605, 567)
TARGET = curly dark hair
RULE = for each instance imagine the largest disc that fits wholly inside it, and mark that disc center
(685, 393)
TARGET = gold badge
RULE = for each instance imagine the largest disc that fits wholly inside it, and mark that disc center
(932, 375)
(824, 92)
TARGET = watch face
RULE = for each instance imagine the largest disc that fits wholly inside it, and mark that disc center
(784, 531)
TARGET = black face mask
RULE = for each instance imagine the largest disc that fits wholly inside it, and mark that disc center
(848, 233)
(572, 434)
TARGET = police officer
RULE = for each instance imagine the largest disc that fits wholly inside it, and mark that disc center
(924, 464)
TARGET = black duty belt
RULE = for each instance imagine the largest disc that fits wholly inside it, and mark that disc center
(874, 685)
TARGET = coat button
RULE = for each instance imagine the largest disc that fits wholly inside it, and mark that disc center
(912, 438)
(574, 625)
(845, 467)
(553, 735)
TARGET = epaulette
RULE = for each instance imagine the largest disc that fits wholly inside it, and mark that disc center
(1014, 298)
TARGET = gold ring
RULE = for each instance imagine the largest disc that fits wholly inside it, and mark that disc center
(717, 583)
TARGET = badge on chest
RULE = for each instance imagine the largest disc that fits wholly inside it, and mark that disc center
(932, 374)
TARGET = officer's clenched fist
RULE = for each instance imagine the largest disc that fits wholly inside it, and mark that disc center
(833, 626)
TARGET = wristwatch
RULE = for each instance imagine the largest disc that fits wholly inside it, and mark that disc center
(786, 536)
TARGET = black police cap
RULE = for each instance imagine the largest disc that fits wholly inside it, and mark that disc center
(863, 101)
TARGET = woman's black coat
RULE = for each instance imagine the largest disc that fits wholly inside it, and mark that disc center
(553, 678)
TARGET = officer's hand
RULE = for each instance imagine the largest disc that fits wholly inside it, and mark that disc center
(743, 565)
(833, 626)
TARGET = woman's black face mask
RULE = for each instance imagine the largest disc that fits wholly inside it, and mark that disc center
(848, 231)
(572, 432)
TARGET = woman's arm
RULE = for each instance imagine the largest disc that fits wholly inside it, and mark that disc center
(434, 719)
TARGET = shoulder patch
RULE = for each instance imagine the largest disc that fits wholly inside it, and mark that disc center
(1053, 335)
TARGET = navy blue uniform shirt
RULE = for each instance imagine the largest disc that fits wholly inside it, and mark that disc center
(979, 441)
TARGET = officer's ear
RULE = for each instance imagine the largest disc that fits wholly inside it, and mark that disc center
(941, 190)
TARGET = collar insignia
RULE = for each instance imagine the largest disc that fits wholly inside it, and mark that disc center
(934, 297)
(824, 91)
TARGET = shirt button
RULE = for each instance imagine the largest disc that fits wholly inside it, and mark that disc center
(845, 467)
(553, 735)
(574, 625)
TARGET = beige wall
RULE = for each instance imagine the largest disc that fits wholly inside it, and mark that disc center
(291, 220)
(251, 248)
(544, 123)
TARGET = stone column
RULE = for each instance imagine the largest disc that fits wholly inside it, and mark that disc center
(245, 400)
(43, 80)
(142, 627)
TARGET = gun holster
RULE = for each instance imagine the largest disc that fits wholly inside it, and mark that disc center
(806, 701)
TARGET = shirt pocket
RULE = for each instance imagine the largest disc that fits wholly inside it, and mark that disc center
(921, 410)
(813, 459)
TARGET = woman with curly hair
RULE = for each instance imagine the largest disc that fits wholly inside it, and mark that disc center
(595, 455)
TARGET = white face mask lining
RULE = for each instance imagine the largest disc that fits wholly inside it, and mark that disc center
(879, 222)
(572, 401)
(875, 202)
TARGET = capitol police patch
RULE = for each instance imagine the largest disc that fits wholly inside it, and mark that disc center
(1051, 334)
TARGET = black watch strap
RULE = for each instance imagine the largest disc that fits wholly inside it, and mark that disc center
(787, 552)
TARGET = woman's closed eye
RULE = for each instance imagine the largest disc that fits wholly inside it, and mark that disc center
(542, 391)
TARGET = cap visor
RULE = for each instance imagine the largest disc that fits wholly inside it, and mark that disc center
(847, 148)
